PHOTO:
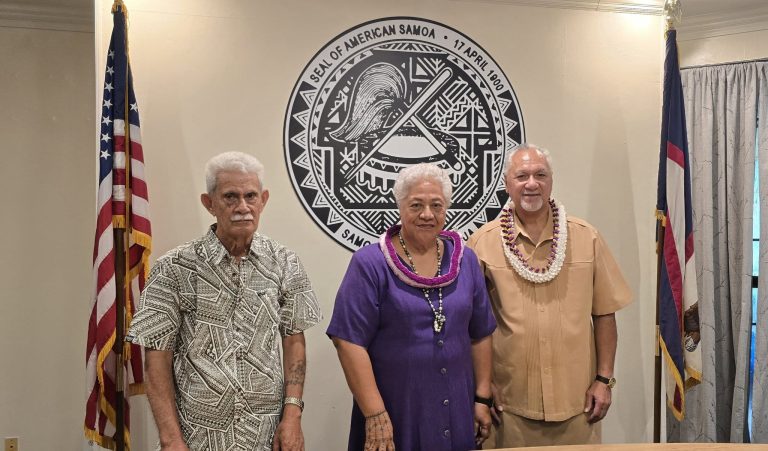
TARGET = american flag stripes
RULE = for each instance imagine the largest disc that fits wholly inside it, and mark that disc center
(678, 296)
(122, 204)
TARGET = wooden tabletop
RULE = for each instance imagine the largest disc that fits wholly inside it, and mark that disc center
(649, 447)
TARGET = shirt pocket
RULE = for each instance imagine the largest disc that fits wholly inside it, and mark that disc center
(574, 288)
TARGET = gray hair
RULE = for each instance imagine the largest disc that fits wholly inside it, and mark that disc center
(528, 146)
(232, 161)
(412, 175)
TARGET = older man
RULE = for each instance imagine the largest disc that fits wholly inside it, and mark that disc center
(209, 319)
(554, 287)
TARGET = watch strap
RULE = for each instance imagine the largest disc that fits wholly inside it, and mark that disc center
(295, 401)
(610, 382)
(487, 401)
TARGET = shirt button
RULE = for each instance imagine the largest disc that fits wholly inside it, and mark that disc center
(447, 433)
(440, 343)
(446, 402)
(443, 370)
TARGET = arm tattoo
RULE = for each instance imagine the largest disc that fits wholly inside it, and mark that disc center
(296, 373)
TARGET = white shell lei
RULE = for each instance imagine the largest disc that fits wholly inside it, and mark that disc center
(560, 238)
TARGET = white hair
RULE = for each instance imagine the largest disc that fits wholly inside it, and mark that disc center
(528, 146)
(412, 175)
(232, 161)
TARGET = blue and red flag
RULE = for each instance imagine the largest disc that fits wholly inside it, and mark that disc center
(678, 296)
(122, 203)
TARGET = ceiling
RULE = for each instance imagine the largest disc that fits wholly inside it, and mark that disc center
(700, 18)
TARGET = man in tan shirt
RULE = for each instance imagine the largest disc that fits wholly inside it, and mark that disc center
(554, 287)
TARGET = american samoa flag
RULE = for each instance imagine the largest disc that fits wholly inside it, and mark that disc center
(678, 297)
(122, 204)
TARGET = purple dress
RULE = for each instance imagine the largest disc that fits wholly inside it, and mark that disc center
(425, 378)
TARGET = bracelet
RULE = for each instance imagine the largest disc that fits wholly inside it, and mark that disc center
(375, 414)
(487, 401)
(295, 401)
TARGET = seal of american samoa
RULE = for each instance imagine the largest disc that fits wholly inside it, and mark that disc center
(387, 94)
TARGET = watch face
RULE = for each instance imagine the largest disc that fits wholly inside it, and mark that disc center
(612, 382)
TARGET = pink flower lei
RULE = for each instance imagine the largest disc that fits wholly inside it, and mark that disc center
(404, 273)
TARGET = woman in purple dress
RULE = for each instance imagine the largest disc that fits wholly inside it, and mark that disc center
(412, 325)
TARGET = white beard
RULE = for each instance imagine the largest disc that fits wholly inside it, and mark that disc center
(531, 206)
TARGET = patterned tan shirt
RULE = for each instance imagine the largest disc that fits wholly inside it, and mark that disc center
(222, 320)
(544, 346)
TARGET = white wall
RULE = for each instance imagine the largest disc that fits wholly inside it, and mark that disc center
(47, 220)
(214, 78)
(217, 76)
(723, 49)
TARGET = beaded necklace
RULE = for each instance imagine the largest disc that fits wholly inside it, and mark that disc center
(439, 321)
(516, 258)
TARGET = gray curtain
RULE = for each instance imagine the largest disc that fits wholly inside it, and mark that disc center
(721, 105)
(760, 381)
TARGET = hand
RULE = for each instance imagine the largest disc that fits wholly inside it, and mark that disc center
(378, 433)
(597, 402)
(498, 406)
(482, 423)
(288, 436)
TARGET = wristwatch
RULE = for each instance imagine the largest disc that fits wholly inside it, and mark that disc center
(487, 401)
(295, 401)
(609, 382)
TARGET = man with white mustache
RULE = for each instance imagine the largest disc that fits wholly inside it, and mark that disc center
(209, 320)
(555, 288)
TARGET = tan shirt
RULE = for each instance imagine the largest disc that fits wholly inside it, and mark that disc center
(544, 346)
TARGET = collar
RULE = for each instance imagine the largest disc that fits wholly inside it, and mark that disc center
(546, 234)
(216, 252)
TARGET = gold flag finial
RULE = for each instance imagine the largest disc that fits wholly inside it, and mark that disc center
(673, 13)
(116, 4)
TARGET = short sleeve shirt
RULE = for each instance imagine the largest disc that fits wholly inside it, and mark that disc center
(222, 320)
(544, 346)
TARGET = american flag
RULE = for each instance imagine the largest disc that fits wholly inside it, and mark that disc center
(678, 295)
(122, 203)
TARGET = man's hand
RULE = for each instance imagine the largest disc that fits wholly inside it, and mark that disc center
(482, 423)
(288, 436)
(597, 402)
(378, 433)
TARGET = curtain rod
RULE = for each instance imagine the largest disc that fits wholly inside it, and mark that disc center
(759, 60)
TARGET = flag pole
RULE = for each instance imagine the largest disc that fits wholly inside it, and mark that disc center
(657, 348)
(122, 280)
(672, 13)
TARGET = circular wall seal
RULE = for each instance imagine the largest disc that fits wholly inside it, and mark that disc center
(387, 94)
